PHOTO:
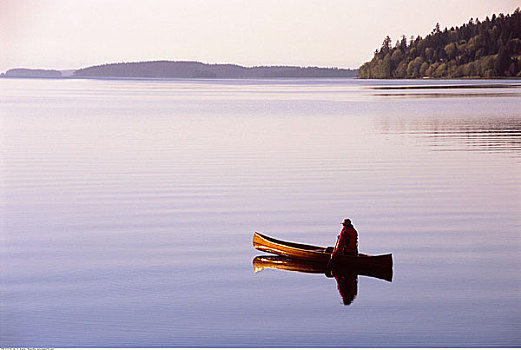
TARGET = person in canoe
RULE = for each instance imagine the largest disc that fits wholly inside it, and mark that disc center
(347, 241)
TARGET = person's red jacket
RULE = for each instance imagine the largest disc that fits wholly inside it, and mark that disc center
(347, 241)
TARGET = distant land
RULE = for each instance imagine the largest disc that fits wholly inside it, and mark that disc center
(188, 69)
(487, 49)
(33, 73)
(184, 69)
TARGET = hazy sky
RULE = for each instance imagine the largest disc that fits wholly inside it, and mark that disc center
(66, 34)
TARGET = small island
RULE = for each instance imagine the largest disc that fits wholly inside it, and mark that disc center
(487, 49)
(32, 73)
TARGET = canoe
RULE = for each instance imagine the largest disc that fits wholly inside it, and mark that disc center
(313, 267)
(315, 253)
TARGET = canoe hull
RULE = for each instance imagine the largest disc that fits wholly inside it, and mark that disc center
(315, 253)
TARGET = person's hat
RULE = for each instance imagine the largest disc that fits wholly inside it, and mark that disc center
(346, 222)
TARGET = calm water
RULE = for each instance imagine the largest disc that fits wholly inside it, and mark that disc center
(128, 209)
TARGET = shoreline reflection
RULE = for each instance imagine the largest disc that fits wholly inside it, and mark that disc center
(345, 276)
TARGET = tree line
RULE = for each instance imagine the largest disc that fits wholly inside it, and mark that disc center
(32, 73)
(484, 49)
(187, 69)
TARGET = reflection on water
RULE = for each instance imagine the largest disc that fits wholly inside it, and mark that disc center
(431, 85)
(345, 276)
(449, 94)
(127, 209)
(499, 134)
(476, 116)
(430, 89)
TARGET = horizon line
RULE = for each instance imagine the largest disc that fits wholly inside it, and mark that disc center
(185, 61)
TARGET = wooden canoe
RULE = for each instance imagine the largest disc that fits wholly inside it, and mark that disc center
(283, 263)
(319, 254)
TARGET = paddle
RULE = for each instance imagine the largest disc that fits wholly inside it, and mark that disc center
(331, 257)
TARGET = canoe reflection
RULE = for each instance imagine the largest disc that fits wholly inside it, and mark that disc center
(346, 277)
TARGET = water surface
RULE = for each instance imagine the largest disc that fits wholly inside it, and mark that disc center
(128, 208)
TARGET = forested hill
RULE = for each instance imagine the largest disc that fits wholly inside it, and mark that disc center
(183, 69)
(33, 73)
(487, 49)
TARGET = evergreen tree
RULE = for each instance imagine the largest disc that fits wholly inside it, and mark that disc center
(491, 48)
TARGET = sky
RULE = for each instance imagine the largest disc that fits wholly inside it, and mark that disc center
(71, 34)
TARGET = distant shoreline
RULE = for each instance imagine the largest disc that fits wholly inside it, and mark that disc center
(185, 69)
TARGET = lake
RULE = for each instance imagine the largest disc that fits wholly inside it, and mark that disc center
(128, 209)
